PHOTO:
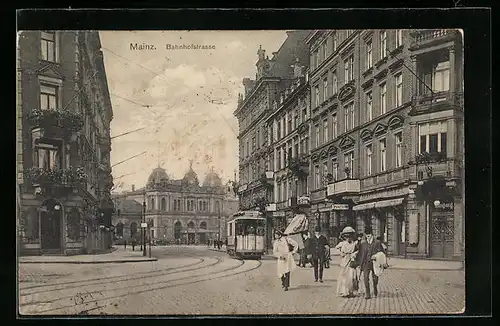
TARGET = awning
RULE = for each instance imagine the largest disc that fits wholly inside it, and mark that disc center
(298, 224)
(378, 204)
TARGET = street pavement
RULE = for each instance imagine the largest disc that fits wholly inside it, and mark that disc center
(198, 280)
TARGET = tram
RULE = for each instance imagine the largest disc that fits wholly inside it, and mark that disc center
(246, 234)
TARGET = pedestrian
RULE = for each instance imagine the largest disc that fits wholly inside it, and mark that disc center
(208, 243)
(367, 251)
(219, 244)
(134, 242)
(125, 244)
(284, 248)
(305, 253)
(318, 247)
(215, 244)
(347, 281)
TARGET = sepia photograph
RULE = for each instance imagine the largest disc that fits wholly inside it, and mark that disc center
(229, 172)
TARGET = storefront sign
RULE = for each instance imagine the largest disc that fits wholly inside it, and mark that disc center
(444, 207)
(340, 207)
(279, 214)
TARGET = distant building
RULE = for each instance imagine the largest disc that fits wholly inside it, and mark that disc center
(63, 136)
(178, 211)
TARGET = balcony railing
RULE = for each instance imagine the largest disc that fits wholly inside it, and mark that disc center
(55, 177)
(66, 120)
(344, 187)
(425, 35)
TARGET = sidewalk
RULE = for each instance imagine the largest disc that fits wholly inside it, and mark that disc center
(400, 263)
(120, 255)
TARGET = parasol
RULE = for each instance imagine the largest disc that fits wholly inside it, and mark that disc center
(298, 224)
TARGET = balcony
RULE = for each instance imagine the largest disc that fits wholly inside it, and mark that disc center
(53, 181)
(55, 123)
(421, 36)
(436, 102)
(344, 187)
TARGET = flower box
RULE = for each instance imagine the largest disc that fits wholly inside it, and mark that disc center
(66, 119)
(70, 177)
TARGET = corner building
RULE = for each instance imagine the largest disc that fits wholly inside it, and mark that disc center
(373, 135)
(63, 154)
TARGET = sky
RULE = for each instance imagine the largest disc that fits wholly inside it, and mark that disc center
(184, 99)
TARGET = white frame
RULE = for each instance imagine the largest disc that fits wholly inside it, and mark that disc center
(383, 103)
(383, 154)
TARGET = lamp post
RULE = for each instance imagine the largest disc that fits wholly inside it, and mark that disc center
(149, 230)
(144, 229)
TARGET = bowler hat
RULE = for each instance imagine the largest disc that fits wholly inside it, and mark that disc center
(317, 229)
(368, 230)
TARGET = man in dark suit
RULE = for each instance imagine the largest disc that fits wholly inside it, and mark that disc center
(367, 249)
(318, 246)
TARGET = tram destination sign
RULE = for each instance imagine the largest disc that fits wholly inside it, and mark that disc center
(340, 207)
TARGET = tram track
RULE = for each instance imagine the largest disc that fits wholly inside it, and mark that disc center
(118, 278)
(141, 289)
(107, 282)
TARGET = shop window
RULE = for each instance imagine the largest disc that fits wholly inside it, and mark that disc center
(74, 224)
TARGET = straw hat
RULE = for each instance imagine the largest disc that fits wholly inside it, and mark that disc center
(347, 230)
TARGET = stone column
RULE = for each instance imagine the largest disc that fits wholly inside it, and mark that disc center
(414, 80)
(453, 72)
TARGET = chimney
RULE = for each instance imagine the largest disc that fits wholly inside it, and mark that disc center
(133, 187)
(248, 83)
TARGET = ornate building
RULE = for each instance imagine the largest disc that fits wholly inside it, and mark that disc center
(63, 122)
(383, 140)
(177, 211)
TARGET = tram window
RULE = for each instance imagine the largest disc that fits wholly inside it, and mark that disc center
(251, 230)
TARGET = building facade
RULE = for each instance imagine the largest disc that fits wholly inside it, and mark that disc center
(256, 187)
(63, 153)
(380, 99)
(176, 211)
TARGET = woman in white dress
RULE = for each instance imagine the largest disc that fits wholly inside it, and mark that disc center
(347, 280)
(284, 248)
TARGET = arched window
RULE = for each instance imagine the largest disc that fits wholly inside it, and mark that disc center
(191, 225)
(203, 225)
(133, 230)
(177, 230)
(200, 206)
(163, 204)
(152, 203)
(217, 207)
(119, 229)
(74, 224)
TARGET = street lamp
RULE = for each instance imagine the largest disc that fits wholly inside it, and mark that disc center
(436, 203)
(143, 232)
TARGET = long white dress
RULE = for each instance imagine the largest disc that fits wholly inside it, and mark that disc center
(280, 249)
(347, 276)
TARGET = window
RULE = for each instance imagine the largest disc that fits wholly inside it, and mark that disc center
(48, 156)
(295, 119)
(48, 97)
(152, 203)
(369, 159)
(318, 140)
(349, 69)
(369, 106)
(383, 44)
(317, 177)
(325, 51)
(49, 46)
(334, 126)
(369, 55)
(325, 131)
(316, 96)
(334, 42)
(163, 204)
(399, 89)
(433, 137)
(351, 113)
(325, 89)
(278, 130)
(254, 143)
(441, 77)
(318, 61)
(399, 149)
(248, 148)
(325, 170)
(304, 115)
(383, 155)
(334, 83)
(278, 191)
(282, 127)
(399, 38)
(348, 164)
(335, 169)
(346, 118)
(258, 138)
(289, 124)
(383, 98)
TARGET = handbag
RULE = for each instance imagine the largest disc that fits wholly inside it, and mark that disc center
(353, 263)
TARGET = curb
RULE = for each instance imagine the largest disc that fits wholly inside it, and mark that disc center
(91, 262)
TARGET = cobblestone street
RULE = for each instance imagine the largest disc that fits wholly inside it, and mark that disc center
(194, 280)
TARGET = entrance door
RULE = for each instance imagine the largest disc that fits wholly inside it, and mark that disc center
(190, 238)
(203, 238)
(442, 234)
(50, 229)
(399, 235)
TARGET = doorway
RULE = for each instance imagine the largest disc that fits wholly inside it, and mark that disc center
(442, 234)
(50, 225)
